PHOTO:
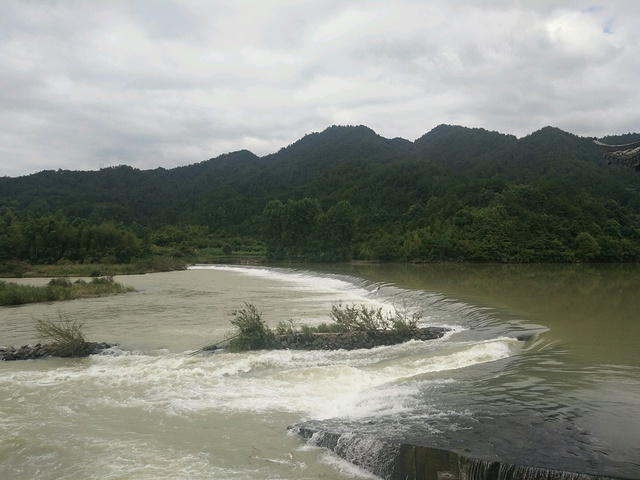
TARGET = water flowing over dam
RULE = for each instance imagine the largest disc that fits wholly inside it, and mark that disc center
(516, 388)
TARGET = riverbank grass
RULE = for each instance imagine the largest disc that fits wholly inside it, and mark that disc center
(60, 288)
(15, 269)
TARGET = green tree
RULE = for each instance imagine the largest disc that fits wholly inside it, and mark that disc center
(299, 229)
(587, 247)
(336, 231)
(272, 226)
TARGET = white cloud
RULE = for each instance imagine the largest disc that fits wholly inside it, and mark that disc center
(262, 58)
(346, 24)
(168, 82)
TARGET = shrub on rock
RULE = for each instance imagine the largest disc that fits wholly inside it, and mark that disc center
(65, 338)
(253, 331)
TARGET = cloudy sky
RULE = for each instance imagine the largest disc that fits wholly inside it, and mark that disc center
(86, 84)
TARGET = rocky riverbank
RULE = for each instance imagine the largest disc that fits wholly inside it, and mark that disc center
(355, 340)
(352, 340)
(32, 352)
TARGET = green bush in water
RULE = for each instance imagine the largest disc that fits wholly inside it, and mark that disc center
(286, 328)
(254, 334)
(352, 318)
(63, 338)
(60, 282)
(253, 331)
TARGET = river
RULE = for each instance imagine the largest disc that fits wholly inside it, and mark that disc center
(541, 367)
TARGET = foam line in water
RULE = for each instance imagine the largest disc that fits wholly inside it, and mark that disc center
(333, 288)
(346, 467)
(315, 384)
(462, 356)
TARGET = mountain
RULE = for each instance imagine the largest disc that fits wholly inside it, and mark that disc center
(449, 184)
(330, 163)
(460, 147)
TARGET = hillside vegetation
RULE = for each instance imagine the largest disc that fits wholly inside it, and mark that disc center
(455, 194)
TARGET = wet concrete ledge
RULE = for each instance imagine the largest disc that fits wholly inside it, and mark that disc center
(404, 461)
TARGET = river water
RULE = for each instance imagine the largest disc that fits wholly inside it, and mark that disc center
(541, 368)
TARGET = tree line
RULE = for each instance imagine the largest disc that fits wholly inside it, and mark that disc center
(455, 194)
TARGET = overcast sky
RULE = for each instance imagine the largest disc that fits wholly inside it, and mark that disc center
(86, 84)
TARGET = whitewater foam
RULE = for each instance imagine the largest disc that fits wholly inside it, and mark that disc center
(325, 288)
(318, 385)
(147, 399)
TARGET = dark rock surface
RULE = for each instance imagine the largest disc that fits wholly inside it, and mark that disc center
(343, 341)
(32, 352)
(355, 340)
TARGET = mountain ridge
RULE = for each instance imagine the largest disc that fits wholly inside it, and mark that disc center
(318, 164)
(336, 133)
(455, 193)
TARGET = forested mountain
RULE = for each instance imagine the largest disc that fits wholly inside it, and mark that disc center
(455, 194)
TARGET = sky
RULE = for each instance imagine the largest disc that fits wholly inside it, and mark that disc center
(88, 84)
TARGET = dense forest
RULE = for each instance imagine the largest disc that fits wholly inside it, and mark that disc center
(455, 194)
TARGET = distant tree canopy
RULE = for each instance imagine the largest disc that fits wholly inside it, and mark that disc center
(300, 230)
(455, 194)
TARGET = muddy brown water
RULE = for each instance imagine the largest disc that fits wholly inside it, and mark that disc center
(541, 365)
